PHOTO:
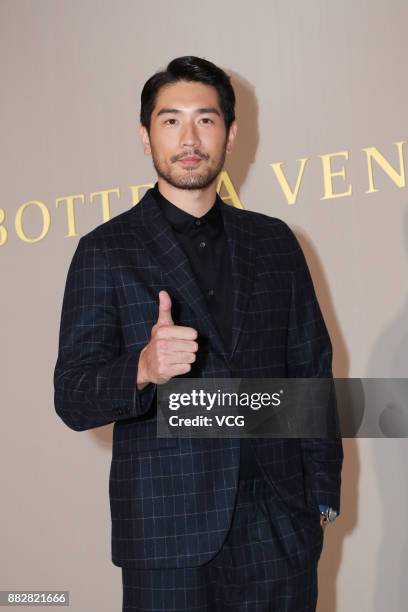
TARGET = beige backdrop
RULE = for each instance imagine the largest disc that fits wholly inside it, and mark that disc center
(312, 78)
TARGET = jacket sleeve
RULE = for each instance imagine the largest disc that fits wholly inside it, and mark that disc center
(94, 379)
(309, 354)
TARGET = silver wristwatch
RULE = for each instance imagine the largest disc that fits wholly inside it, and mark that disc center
(329, 515)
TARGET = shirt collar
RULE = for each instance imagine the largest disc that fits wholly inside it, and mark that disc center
(184, 223)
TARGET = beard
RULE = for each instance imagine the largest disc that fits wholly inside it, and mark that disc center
(190, 178)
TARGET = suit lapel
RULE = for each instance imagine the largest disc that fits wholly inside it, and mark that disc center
(159, 240)
(242, 245)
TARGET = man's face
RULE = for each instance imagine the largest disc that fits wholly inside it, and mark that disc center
(188, 140)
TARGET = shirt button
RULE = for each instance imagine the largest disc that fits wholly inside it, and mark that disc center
(197, 222)
(210, 292)
(202, 244)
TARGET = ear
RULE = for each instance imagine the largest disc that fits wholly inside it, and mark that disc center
(231, 135)
(144, 137)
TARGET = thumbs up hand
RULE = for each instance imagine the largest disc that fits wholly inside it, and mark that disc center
(170, 351)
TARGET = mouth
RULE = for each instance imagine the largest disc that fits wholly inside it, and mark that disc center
(190, 161)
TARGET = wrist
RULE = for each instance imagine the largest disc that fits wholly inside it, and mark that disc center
(141, 378)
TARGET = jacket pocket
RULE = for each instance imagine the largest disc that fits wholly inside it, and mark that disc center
(131, 437)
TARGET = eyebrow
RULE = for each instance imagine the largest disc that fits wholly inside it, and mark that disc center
(205, 110)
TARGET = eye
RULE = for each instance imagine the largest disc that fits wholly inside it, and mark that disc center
(207, 120)
(172, 119)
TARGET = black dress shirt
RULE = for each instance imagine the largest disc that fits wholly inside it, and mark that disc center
(205, 244)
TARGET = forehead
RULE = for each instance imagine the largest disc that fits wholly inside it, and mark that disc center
(186, 95)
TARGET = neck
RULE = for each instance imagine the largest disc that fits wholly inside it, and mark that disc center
(196, 202)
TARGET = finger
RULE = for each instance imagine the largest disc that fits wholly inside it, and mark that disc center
(173, 345)
(181, 368)
(174, 370)
(180, 357)
(177, 332)
(164, 317)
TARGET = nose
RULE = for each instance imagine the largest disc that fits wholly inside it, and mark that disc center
(190, 136)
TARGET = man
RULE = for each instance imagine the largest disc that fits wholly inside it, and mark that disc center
(183, 284)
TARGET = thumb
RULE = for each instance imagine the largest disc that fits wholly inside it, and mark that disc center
(164, 309)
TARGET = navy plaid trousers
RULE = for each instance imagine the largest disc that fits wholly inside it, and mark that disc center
(259, 568)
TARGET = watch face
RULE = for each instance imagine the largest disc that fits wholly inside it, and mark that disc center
(329, 515)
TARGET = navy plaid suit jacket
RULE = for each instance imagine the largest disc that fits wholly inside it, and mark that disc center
(172, 499)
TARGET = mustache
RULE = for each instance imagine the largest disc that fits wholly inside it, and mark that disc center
(195, 153)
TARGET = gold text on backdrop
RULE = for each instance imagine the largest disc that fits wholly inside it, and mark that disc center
(372, 153)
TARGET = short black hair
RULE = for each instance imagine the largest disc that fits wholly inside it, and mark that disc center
(189, 68)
